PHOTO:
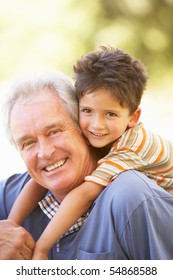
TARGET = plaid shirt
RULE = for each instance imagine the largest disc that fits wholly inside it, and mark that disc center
(49, 205)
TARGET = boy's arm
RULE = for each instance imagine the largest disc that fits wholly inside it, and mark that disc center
(71, 209)
(27, 201)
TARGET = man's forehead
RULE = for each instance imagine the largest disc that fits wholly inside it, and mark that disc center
(38, 96)
(41, 114)
(43, 100)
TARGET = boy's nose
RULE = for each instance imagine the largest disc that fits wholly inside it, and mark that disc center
(98, 123)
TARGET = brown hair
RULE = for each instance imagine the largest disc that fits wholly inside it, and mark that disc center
(124, 77)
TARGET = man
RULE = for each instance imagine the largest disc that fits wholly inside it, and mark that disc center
(42, 123)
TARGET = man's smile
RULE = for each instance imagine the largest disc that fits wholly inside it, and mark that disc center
(56, 165)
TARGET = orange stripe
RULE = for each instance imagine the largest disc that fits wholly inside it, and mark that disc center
(161, 153)
(115, 164)
(130, 135)
(160, 181)
(164, 171)
(149, 153)
(143, 141)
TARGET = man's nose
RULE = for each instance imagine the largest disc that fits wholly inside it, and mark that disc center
(46, 149)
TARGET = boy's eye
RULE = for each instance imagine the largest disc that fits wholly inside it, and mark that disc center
(111, 114)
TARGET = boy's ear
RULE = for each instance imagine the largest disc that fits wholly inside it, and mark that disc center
(134, 118)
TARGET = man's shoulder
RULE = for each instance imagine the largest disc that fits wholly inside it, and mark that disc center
(15, 180)
(134, 187)
(132, 197)
(10, 189)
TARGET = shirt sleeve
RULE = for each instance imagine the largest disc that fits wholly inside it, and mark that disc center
(141, 150)
(9, 190)
(122, 156)
(114, 163)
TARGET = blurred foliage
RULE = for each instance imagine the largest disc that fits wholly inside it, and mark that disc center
(42, 34)
(145, 29)
(38, 34)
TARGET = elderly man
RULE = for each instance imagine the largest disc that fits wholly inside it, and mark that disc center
(42, 123)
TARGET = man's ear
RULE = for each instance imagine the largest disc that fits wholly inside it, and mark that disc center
(134, 118)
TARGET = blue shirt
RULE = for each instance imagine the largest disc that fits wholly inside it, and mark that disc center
(132, 219)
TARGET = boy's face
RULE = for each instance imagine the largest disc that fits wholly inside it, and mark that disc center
(102, 119)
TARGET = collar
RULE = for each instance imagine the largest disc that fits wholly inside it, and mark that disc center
(49, 205)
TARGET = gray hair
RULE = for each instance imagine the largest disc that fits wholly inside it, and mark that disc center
(23, 89)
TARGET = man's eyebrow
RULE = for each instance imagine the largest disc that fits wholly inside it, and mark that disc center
(58, 125)
(50, 126)
(22, 139)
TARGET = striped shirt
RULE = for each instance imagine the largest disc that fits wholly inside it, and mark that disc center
(141, 150)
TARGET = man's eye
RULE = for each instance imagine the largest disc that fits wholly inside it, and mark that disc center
(28, 144)
(54, 132)
(87, 111)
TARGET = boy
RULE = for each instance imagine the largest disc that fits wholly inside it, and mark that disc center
(109, 86)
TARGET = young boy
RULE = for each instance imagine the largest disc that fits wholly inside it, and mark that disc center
(109, 86)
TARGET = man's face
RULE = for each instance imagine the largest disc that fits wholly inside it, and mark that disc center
(52, 148)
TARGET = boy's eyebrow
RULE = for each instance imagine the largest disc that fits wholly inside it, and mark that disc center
(106, 110)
